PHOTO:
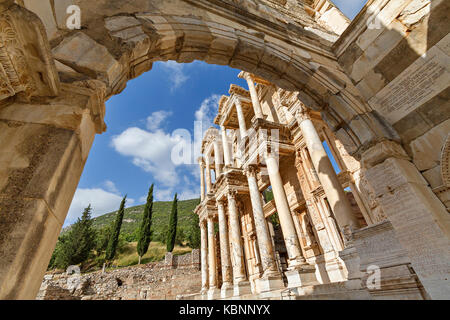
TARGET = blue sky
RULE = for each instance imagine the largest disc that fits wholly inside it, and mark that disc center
(142, 122)
(350, 7)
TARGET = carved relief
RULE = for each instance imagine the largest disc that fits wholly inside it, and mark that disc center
(26, 63)
(13, 66)
(376, 211)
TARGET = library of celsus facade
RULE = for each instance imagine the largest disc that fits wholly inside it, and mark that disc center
(289, 222)
(373, 91)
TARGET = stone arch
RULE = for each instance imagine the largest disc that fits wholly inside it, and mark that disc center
(294, 55)
(51, 129)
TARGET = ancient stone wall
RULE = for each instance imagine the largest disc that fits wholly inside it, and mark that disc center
(155, 281)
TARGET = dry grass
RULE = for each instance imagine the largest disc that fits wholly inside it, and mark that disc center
(156, 252)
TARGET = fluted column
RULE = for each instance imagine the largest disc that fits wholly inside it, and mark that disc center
(204, 255)
(241, 119)
(254, 95)
(208, 174)
(226, 146)
(224, 246)
(217, 158)
(327, 176)
(212, 255)
(202, 178)
(284, 213)
(263, 237)
(235, 237)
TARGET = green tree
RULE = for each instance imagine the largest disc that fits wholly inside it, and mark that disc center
(194, 232)
(83, 236)
(75, 247)
(102, 239)
(58, 256)
(115, 232)
(144, 230)
(173, 219)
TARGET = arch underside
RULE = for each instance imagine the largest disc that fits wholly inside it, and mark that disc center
(292, 56)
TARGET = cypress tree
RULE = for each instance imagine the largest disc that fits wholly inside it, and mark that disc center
(144, 230)
(114, 237)
(172, 232)
(194, 232)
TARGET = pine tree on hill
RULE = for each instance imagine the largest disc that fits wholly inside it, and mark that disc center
(144, 237)
(172, 232)
(76, 246)
(114, 238)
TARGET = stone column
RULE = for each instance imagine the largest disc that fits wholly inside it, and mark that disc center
(241, 285)
(217, 158)
(204, 255)
(254, 95)
(284, 213)
(212, 263)
(208, 174)
(271, 274)
(226, 147)
(44, 150)
(327, 176)
(241, 119)
(297, 263)
(227, 288)
(202, 178)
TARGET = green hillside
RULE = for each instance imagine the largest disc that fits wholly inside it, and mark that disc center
(160, 219)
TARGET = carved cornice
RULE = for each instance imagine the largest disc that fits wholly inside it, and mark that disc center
(239, 91)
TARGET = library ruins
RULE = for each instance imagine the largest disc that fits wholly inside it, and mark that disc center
(346, 123)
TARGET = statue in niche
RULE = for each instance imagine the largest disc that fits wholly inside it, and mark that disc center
(308, 231)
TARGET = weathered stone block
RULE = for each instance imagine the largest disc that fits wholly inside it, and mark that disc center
(84, 54)
(427, 148)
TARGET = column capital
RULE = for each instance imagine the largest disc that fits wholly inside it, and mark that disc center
(232, 194)
(220, 202)
(202, 224)
(302, 114)
(245, 75)
(251, 170)
(201, 162)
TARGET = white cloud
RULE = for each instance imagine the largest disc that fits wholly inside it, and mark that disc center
(100, 200)
(204, 117)
(189, 194)
(110, 186)
(176, 73)
(207, 110)
(150, 151)
(164, 194)
(156, 118)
